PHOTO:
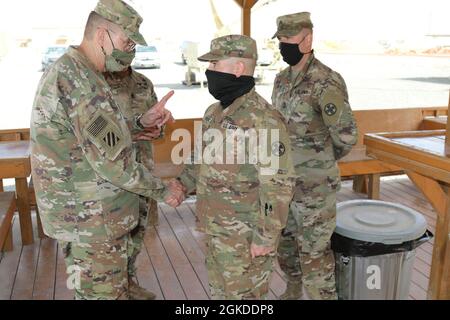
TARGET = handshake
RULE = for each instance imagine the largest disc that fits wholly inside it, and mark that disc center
(177, 193)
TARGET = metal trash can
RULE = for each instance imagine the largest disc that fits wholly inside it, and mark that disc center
(374, 246)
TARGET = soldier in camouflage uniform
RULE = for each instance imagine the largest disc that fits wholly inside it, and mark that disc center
(241, 207)
(85, 173)
(135, 95)
(314, 101)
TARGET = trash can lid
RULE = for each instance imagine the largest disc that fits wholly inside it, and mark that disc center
(379, 221)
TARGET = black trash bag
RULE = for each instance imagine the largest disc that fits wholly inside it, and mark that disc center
(358, 248)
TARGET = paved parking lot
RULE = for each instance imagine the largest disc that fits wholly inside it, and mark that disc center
(374, 81)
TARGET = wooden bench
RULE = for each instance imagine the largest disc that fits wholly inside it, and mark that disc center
(364, 171)
(7, 209)
(18, 135)
(13, 135)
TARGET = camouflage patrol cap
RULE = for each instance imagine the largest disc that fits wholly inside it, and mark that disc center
(234, 45)
(291, 24)
(120, 13)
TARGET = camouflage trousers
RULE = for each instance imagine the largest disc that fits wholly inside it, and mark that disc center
(232, 273)
(97, 271)
(148, 210)
(304, 251)
(100, 271)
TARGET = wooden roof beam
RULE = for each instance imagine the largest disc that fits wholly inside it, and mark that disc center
(447, 134)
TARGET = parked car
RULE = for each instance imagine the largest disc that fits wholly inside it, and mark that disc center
(146, 57)
(51, 54)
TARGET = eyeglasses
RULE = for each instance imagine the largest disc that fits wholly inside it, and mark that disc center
(130, 45)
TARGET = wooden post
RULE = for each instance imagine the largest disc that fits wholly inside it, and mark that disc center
(360, 184)
(439, 197)
(23, 206)
(447, 135)
(439, 287)
(40, 229)
(246, 21)
(246, 6)
(374, 186)
(8, 246)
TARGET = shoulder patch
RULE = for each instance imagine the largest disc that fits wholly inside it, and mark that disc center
(330, 109)
(332, 103)
(278, 148)
(106, 136)
(97, 126)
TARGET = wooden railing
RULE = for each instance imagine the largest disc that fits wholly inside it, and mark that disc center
(365, 170)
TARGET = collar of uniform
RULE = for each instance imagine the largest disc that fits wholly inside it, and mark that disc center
(75, 53)
(119, 79)
(309, 61)
(303, 72)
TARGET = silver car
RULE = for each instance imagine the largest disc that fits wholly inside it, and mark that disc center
(146, 57)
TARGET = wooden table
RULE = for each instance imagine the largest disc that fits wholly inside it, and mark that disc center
(422, 155)
(15, 164)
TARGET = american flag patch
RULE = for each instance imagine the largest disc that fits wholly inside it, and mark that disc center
(97, 126)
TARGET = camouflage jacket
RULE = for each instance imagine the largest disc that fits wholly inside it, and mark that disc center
(319, 119)
(86, 178)
(242, 195)
(134, 94)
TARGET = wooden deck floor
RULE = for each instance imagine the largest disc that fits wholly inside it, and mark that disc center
(172, 262)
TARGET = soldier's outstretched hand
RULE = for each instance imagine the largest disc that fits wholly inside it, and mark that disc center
(158, 115)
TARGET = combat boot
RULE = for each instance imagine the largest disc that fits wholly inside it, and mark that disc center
(294, 291)
(136, 292)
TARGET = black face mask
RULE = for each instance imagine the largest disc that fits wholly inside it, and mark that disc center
(291, 53)
(226, 87)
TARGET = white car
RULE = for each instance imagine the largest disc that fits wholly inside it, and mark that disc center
(146, 57)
